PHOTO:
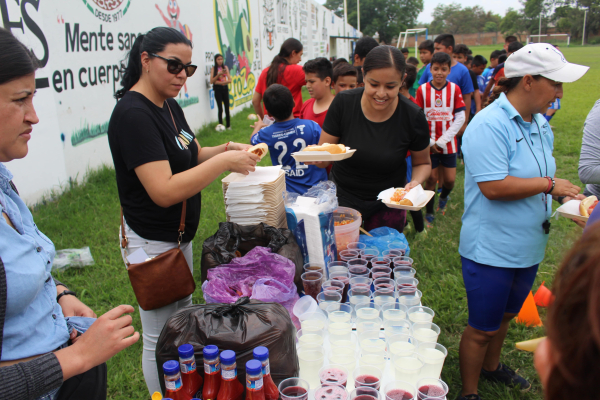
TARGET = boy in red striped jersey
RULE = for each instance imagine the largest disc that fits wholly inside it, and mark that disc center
(444, 109)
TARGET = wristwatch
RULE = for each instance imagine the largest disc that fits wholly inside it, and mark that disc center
(65, 293)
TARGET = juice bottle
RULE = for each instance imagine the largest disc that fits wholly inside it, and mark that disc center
(261, 354)
(255, 389)
(192, 381)
(231, 388)
(174, 387)
(212, 372)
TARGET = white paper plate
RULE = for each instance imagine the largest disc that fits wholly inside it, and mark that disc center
(571, 210)
(314, 156)
(429, 193)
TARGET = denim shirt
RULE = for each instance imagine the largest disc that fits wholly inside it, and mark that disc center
(34, 322)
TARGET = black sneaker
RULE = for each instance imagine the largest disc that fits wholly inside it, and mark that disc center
(468, 397)
(506, 376)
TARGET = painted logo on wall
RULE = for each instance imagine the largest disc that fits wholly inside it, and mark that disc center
(234, 37)
(269, 24)
(108, 10)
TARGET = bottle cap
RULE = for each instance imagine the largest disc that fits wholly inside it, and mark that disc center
(186, 351)
(253, 367)
(261, 353)
(171, 367)
(227, 357)
(211, 351)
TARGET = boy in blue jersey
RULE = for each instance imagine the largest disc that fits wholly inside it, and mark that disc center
(286, 136)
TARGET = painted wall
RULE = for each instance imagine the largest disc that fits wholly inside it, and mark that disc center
(81, 43)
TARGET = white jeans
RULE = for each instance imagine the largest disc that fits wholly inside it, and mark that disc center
(153, 321)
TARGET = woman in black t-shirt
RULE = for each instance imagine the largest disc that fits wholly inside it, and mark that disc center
(382, 126)
(159, 163)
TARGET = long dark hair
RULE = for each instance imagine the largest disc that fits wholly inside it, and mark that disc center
(154, 41)
(289, 46)
(384, 57)
(217, 65)
(505, 85)
(573, 323)
(16, 60)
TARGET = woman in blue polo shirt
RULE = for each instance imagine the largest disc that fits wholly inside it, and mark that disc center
(509, 185)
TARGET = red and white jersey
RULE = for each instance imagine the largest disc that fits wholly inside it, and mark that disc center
(439, 106)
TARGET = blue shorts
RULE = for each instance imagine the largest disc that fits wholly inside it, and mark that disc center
(447, 160)
(494, 291)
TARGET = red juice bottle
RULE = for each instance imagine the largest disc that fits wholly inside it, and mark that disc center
(173, 384)
(255, 389)
(212, 372)
(192, 381)
(231, 388)
(261, 354)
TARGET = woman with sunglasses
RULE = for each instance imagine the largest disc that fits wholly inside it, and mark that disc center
(220, 79)
(160, 164)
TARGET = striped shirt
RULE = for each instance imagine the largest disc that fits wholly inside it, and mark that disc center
(439, 106)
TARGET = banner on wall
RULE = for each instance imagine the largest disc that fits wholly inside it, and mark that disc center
(81, 45)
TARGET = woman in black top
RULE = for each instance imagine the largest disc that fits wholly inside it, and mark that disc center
(220, 79)
(159, 162)
(382, 126)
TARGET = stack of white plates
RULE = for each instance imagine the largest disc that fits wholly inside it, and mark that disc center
(256, 197)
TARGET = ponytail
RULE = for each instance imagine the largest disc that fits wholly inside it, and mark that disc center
(505, 85)
(154, 41)
(286, 50)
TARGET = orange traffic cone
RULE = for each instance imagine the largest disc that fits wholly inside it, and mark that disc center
(543, 297)
(529, 314)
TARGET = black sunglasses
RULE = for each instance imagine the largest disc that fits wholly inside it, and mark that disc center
(175, 67)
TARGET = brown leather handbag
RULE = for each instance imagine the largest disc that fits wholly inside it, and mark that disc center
(161, 280)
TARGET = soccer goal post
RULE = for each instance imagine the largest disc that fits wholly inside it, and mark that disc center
(403, 37)
(554, 38)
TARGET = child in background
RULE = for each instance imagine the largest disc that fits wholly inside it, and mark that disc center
(461, 54)
(493, 63)
(286, 136)
(445, 112)
(413, 61)
(409, 81)
(344, 77)
(426, 49)
(339, 61)
(404, 52)
(477, 67)
(319, 75)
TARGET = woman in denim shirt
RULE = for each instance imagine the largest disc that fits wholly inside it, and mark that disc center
(40, 317)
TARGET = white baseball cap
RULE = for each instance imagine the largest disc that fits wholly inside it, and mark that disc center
(545, 60)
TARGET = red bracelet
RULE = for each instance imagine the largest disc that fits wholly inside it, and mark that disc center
(549, 185)
(227, 145)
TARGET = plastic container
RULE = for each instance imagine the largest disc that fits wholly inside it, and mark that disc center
(261, 354)
(212, 372)
(255, 389)
(231, 388)
(349, 232)
(192, 381)
(305, 304)
(173, 384)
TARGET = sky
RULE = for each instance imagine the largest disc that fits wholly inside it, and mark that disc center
(497, 6)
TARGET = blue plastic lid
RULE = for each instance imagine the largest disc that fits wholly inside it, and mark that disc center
(186, 351)
(253, 367)
(227, 357)
(261, 353)
(211, 351)
(171, 367)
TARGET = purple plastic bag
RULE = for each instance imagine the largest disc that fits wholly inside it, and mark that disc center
(273, 291)
(228, 282)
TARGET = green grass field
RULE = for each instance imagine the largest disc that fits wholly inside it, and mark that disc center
(88, 215)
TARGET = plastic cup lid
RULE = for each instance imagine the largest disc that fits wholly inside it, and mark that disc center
(171, 367)
(186, 351)
(210, 351)
(261, 353)
(227, 357)
(253, 367)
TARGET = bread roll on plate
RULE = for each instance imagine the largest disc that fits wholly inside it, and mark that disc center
(398, 197)
(330, 148)
(587, 206)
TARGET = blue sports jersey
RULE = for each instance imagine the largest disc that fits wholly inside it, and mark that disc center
(481, 87)
(459, 74)
(285, 138)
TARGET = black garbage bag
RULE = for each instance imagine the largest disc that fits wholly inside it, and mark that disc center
(233, 240)
(239, 327)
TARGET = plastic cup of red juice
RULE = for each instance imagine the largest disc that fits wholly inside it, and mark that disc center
(431, 389)
(294, 389)
(400, 390)
(333, 374)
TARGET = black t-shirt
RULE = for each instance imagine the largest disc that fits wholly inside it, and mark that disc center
(139, 132)
(474, 80)
(380, 159)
